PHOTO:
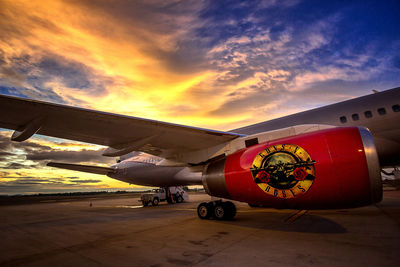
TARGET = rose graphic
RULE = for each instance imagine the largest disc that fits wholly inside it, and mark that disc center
(263, 176)
(300, 174)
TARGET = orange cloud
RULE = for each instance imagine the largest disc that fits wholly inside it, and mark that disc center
(131, 60)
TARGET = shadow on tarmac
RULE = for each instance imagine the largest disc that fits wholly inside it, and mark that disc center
(307, 223)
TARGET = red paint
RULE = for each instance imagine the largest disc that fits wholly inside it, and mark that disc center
(341, 172)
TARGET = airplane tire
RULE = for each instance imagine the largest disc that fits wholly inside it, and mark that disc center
(179, 199)
(220, 211)
(204, 211)
(155, 202)
(230, 210)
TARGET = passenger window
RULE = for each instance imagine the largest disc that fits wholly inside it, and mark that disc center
(355, 117)
(381, 111)
(396, 108)
(368, 114)
(343, 119)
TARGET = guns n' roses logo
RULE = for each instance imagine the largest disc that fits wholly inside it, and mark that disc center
(283, 171)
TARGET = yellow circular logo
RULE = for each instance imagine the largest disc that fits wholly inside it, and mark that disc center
(284, 170)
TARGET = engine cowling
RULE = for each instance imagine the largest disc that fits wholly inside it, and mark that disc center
(332, 168)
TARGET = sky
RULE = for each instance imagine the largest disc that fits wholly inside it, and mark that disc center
(211, 64)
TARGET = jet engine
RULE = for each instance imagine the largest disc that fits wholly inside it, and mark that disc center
(326, 169)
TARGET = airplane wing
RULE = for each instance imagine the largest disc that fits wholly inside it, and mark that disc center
(122, 134)
(82, 168)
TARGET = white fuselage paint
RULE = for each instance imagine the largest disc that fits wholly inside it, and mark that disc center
(142, 169)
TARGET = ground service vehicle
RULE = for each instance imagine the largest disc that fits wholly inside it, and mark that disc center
(173, 194)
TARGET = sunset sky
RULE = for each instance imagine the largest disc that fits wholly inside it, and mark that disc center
(212, 64)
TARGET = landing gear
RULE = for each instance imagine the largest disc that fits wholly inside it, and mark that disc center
(217, 209)
(204, 210)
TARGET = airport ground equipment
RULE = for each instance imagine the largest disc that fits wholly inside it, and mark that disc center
(173, 194)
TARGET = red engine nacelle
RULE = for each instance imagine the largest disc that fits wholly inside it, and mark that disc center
(333, 168)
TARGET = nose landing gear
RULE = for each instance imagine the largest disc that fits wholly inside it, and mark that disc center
(219, 210)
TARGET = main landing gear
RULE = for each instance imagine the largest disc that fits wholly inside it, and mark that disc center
(217, 209)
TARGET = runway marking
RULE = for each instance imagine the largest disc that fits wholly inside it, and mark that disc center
(130, 207)
(296, 216)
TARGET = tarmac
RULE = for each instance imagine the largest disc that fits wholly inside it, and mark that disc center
(102, 231)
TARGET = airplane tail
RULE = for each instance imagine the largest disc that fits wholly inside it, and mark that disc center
(82, 168)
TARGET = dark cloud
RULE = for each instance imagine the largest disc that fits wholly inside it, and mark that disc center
(155, 16)
(15, 165)
(20, 73)
(4, 154)
(30, 181)
(43, 185)
(12, 75)
(18, 176)
(188, 57)
(89, 181)
(29, 150)
(7, 144)
(240, 105)
(144, 21)
(72, 74)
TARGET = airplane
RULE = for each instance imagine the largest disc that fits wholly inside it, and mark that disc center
(324, 158)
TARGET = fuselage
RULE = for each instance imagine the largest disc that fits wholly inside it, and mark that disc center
(143, 169)
(379, 112)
